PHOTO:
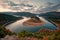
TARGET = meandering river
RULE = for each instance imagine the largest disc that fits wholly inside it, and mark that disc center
(18, 26)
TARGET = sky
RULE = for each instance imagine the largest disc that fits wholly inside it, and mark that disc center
(34, 6)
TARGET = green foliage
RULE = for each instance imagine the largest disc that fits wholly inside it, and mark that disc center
(4, 32)
(37, 35)
(5, 18)
(36, 18)
(24, 33)
(29, 34)
(54, 36)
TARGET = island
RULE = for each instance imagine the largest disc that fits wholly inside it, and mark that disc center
(34, 21)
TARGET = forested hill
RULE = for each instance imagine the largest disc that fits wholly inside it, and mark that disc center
(4, 18)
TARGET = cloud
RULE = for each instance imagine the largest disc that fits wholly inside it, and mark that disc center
(58, 10)
(34, 6)
(50, 8)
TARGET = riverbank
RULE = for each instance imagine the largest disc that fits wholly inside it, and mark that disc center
(58, 25)
(55, 23)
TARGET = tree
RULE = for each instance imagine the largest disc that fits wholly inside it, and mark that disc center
(4, 32)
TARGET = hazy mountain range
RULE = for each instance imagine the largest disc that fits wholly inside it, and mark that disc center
(28, 14)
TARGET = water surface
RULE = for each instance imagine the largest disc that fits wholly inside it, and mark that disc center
(18, 26)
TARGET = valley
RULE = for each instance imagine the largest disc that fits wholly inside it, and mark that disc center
(24, 27)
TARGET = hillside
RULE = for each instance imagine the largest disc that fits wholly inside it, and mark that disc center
(4, 18)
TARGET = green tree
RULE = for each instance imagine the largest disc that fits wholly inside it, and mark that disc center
(4, 32)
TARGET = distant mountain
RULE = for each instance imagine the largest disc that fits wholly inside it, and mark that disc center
(4, 18)
(9, 13)
(28, 14)
(51, 14)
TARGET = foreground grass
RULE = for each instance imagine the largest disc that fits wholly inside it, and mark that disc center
(50, 35)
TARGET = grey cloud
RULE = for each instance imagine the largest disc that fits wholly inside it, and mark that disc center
(50, 8)
(14, 8)
(12, 4)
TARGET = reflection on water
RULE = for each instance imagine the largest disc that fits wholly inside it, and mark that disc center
(18, 26)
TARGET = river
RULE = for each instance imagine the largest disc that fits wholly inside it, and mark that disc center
(18, 26)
